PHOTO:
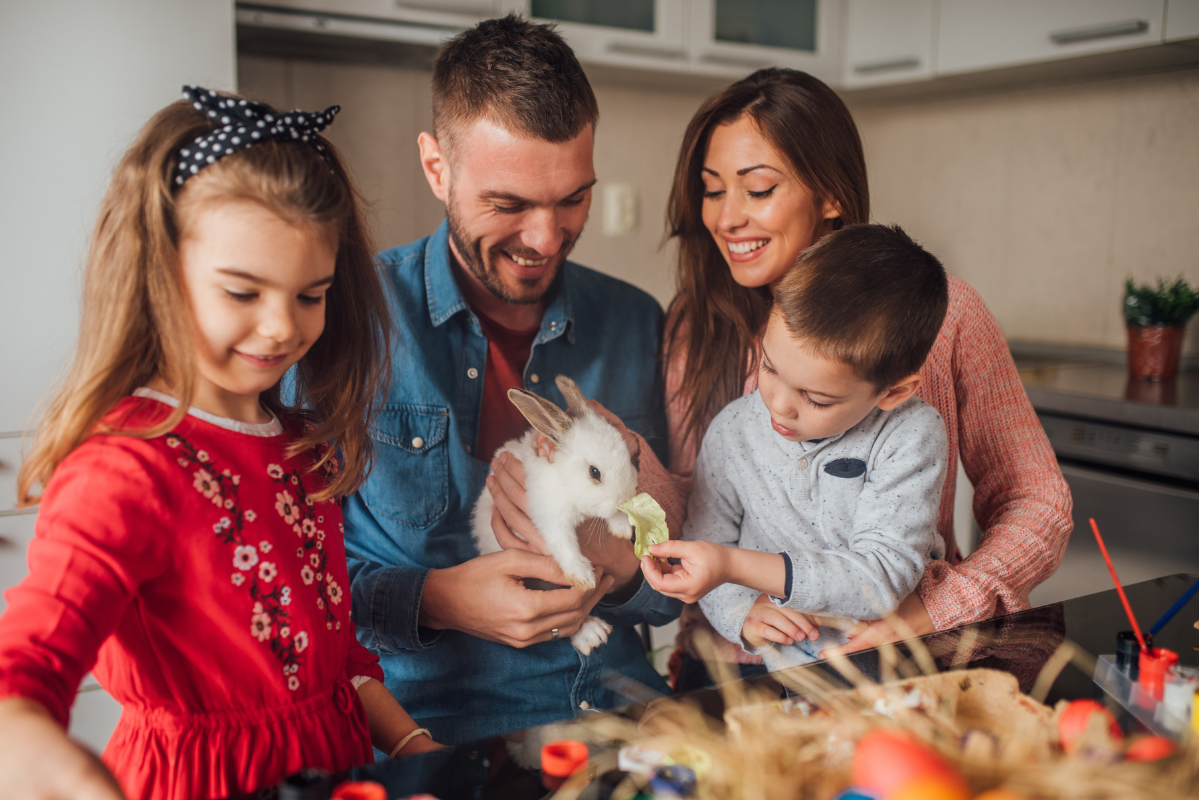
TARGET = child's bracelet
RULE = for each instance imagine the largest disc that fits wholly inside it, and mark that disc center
(411, 735)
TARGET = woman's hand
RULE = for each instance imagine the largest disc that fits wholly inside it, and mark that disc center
(910, 619)
(37, 759)
(767, 623)
(701, 568)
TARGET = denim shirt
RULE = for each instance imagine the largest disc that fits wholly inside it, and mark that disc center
(413, 513)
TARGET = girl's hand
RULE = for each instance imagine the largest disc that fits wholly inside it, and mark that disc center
(767, 623)
(910, 619)
(701, 568)
(38, 760)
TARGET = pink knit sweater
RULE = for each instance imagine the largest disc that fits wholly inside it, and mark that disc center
(1022, 504)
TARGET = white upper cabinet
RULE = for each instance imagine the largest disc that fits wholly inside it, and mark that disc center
(888, 41)
(985, 34)
(731, 38)
(646, 34)
(1183, 20)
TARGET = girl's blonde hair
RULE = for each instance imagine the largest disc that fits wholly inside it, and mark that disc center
(132, 328)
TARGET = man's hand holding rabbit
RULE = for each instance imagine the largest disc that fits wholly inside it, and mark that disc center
(487, 597)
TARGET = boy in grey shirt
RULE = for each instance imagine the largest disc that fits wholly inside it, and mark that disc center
(818, 494)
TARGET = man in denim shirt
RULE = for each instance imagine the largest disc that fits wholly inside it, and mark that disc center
(467, 648)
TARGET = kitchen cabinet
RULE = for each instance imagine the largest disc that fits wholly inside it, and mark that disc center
(645, 34)
(730, 38)
(888, 41)
(976, 35)
(1182, 20)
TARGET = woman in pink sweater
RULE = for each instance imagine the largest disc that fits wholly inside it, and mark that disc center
(767, 167)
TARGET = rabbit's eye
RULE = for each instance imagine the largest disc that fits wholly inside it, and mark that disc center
(595, 473)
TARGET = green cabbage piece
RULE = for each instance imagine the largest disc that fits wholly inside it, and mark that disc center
(649, 522)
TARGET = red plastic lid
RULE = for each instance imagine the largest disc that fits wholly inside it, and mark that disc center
(359, 790)
(564, 757)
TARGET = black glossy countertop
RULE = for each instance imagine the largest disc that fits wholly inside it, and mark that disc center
(1019, 643)
(1077, 385)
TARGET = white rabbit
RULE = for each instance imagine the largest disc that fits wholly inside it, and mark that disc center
(593, 472)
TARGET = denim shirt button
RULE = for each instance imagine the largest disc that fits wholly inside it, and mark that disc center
(472, 373)
(418, 442)
(553, 326)
(534, 378)
(467, 447)
(585, 705)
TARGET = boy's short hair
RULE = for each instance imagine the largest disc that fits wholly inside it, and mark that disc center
(868, 296)
(516, 73)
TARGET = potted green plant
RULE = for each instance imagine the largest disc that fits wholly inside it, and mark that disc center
(1155, 318)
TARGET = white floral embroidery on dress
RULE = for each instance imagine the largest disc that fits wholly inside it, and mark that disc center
(286, 506)
(244, 556)
(238, 579)
(260, 623)
(301, 641)
(306, 575)
(267, 571)
(275, 471)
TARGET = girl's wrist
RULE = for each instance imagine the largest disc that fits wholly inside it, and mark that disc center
(414, 735)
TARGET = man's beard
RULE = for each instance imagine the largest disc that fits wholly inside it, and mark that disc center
(471, 253)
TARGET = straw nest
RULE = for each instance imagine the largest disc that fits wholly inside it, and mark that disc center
(802, 748)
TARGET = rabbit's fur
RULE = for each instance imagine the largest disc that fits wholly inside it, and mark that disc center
(593, 472)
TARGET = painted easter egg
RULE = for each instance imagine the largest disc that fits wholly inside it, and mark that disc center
(1150, 748)
(1074, 719)
(888, 760)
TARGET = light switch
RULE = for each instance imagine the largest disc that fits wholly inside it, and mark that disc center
(620, 209)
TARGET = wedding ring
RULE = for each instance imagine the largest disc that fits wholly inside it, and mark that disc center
(553, 634)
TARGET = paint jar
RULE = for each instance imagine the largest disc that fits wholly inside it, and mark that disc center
(1127, 653)
(1178, 691)
(1152, 670)
(561, 760)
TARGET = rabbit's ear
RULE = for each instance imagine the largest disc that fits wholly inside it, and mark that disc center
(544, 416)
(577, 404)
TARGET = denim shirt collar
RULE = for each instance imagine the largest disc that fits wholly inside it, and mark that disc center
(446, 299)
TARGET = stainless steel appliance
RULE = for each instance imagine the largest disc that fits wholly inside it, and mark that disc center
(1128, 449)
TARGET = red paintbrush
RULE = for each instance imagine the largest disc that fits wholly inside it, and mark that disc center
(1124, 600)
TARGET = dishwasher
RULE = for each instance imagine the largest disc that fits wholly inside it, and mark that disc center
(1128, 450)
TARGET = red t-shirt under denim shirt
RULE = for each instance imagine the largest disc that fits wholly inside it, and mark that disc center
(507, 355)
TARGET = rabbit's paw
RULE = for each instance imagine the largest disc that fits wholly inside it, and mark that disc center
(618, 525)
(579, 572)
(591, 634)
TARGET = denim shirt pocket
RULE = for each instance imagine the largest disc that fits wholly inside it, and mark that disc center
(410, 482)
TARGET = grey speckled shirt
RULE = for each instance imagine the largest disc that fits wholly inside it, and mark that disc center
(856, 513)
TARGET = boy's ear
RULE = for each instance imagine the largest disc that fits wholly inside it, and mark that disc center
(434, 165)
(903, 389)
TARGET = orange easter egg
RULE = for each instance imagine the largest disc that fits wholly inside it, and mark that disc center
(1150, 748)
(1074, 719)
(931, 788)
(889, 760)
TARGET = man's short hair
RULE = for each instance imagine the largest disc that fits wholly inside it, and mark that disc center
(868, 296)
(520, 75)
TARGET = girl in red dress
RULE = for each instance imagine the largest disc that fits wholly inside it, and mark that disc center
(189, 541)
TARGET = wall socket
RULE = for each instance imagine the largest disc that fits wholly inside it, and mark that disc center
(620, 209)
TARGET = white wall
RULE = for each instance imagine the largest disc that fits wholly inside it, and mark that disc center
(80, 77)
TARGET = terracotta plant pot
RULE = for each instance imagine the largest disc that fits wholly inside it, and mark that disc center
(1154, 351)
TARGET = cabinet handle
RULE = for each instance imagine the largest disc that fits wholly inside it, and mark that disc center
(734, 61)
(478, 8)
(905, 62)
(1107, 30)
(17, 512)
(648, 51)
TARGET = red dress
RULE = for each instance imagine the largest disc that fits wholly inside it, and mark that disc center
(195, 577)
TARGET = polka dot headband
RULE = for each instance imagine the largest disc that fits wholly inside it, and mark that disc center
(243, 123)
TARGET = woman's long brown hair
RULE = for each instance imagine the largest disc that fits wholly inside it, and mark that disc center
(136, 326)
(714, 319)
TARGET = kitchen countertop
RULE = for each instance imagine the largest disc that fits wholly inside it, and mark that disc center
(1067, 382)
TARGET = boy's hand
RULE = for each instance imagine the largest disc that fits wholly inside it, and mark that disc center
(768, 623)
(701, 568)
